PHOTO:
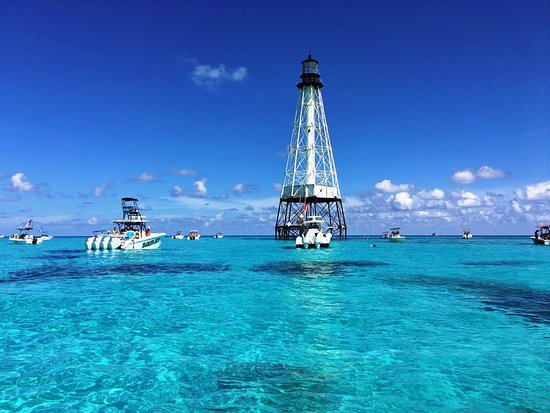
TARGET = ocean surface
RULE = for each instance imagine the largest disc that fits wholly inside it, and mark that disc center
(252, 324)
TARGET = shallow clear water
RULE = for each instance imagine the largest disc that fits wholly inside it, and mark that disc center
(251, 324)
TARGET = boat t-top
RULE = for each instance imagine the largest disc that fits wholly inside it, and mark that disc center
(395, 236)
(542, 235)
(466, 234)
(24, 237)
(312, 235)
(131, 232)
(193, 235)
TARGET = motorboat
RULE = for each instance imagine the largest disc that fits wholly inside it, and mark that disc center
(395, 236)
(385, 235)
(218, 235)
(24, 237)
(542, 235)
(178, 235)
(312, 235)
(131, 232)
(466, 234)
(193, 235)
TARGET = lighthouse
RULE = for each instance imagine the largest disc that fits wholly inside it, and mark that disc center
(310, 185)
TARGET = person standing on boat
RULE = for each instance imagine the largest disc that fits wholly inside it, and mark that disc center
(148, 231)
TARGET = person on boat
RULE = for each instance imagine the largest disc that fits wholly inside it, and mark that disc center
(148, 231)
(115, 230)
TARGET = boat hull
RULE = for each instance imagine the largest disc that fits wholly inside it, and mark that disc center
(540, 241)
(150, 242)
(397, 239)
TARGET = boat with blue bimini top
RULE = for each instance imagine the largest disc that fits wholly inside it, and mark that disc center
(542, 235)
(312, 235)
(131, 232)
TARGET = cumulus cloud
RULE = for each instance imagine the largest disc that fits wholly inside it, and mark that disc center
(177, 191)
(144, 178)
(185, 172)
(211, 76)
(93, 221)
(467, 176)
(387, 186)
(435, 194)
(535, 192)
(277, 187)
(244, 188)
(101, 191)
(402, 201)
(467, 199)
(215, 219)
(200, 186)
(486, 172)
(463, 177)
(20, 183)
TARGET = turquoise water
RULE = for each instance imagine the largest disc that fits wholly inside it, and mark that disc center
(251, 324)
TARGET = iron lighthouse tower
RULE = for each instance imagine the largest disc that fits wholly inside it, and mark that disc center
(310, 185)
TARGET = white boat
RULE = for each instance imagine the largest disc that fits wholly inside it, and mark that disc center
(23, 237)
(466, 234)
(542, 235)
(178, 235)
(218, 235)
(395, 236)
(131, 232)
(193, 235)
(312, 235)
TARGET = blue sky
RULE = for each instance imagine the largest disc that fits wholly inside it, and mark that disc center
(438, 112)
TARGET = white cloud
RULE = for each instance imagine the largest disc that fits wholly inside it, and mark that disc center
(19, 183)
(486, 172)
(210, 76)
(100, 191)
(144, 178)
(277, 187)
(402, 201)
(387, 186)
(177, 191)
(538, 191)
(93, 221)
(467, 176)
(215, 219)
(467, 199)
(463, 177)
(244, 188)
(436, 194)
(185, 172)
(200, 186)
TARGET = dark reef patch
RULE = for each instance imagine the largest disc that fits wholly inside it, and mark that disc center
(298, 269)
(46, 272)
(531, 304)
(507, 263)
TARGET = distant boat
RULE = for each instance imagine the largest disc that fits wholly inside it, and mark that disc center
(542, 235)
(24, 237)
(193, 235)
(395, 235)
(385, 235)
(178, 235)
(313, 236)
(434, 234)
(466, 234)
(218, 235)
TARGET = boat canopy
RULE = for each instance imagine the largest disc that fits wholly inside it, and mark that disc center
(129, 199)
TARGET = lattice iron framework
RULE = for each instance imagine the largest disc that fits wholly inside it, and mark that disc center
(310, 185)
